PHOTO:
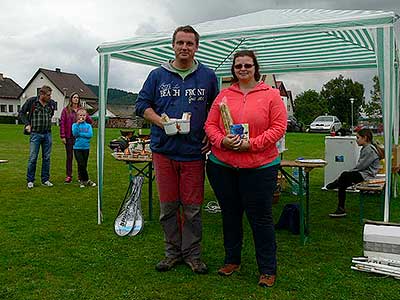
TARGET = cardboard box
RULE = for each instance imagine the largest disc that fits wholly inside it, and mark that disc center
(396, 156)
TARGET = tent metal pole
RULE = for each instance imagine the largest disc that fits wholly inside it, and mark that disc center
(396, 107)
(104, 61)
(385, 59)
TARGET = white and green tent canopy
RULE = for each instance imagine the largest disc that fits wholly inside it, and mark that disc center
(288, 40)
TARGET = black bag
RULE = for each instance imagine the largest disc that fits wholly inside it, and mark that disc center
(119, 145)
(32, 109)
(290, 218)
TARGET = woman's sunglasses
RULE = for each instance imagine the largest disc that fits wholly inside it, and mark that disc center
(246, 66)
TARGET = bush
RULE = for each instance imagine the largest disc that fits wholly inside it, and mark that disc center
(7, 119)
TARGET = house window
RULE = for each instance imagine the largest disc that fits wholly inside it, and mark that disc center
(18, 107)
(3, 108)
(56, 105)
(37, 92)
(11, 108)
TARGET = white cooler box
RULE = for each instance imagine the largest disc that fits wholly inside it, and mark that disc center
(341, 154)
(382, 241)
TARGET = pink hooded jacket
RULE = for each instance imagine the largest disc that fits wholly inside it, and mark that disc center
(263, 109)
(66, 121)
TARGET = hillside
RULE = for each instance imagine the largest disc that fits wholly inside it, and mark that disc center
(115, 96)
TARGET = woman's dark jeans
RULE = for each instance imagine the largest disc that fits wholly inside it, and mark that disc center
(249, 191)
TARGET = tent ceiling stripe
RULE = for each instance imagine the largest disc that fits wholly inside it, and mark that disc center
(317, 48)
(133, 59)
(318, 54)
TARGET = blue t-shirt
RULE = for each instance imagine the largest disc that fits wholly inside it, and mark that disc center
(82, 132)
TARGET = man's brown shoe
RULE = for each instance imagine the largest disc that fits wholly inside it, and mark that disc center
(267, 280)
(168, 263)
(197, 266)
(228, 269)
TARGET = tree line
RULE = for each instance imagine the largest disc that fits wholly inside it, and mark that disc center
(334, 99)
(116, 96)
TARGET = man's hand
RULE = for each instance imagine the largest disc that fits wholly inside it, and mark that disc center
(28, 128)
(206, 145)
(64, 141)
(150, 115)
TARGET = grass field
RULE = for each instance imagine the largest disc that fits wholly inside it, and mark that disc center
(52, 248)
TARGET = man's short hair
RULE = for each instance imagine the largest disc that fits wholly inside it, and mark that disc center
(187, 29)
(44, 90)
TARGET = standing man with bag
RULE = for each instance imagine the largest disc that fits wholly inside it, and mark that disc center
(36, 114)
(181, 85)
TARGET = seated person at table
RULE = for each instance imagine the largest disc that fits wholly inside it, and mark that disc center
(366, 168)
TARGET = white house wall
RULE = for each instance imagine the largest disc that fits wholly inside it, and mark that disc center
(289, 107)
(285, 100)
(109, 114)
(56, 94)
(7, 103)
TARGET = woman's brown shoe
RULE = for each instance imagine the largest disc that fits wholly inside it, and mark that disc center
(228, 269)
(267, 280)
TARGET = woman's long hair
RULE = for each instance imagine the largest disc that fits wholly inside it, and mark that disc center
(248, 53)
(366, 133)
(69, 106)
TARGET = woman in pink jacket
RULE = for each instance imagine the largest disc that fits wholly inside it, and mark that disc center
(242, 170)
(68, 117)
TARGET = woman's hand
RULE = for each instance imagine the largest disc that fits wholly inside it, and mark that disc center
(244, 146)
(232, 142)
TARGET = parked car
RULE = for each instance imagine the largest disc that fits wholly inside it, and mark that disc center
(325, 124)
(293, 125)
(374, 127)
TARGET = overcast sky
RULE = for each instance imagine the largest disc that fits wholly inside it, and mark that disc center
(64, 34)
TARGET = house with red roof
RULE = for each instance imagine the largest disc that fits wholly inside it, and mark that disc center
(286, 96)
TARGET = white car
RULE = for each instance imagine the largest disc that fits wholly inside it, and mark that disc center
(325, 124)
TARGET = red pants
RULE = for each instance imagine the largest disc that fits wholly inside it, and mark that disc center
(181, 181)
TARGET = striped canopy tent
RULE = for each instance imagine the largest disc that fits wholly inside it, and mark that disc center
(289, 40)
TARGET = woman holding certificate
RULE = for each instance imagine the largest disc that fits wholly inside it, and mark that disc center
(244, 124)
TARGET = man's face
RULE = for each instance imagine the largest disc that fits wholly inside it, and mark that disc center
(185, 46)
(45, 97)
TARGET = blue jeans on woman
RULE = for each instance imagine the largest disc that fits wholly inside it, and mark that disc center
(247, 191)
(37, 140)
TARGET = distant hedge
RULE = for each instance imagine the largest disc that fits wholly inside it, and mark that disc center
(7, 119)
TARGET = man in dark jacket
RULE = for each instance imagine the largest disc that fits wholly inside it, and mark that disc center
(182, 85)
(36, 114)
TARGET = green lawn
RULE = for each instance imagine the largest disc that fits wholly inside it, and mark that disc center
(52, 248)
